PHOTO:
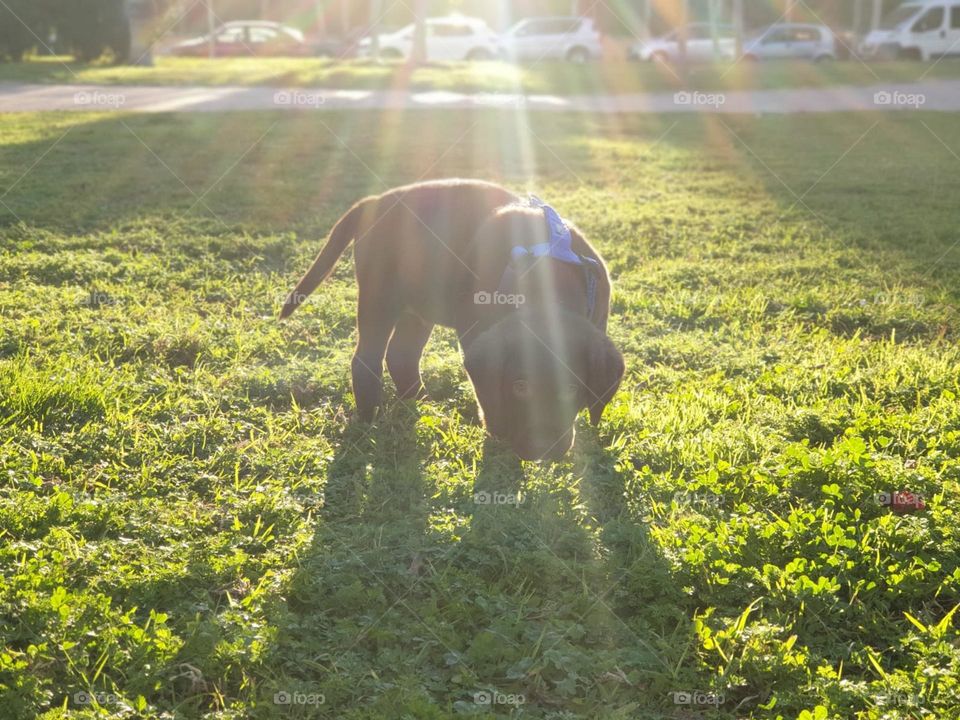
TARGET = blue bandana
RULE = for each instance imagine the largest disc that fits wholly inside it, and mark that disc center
(559, 246)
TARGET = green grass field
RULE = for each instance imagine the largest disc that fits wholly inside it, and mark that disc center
(544, 77)
(190, 523)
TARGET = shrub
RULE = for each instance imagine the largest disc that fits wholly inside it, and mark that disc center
(21, 21)
(91, 27)
(86, 28)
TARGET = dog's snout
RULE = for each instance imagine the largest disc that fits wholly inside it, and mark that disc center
(549, 447)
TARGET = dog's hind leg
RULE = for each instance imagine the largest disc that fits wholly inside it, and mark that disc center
(374, 325)
(403, 355)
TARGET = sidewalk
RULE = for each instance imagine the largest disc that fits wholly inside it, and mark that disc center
(939, 95)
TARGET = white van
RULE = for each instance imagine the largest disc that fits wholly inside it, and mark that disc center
(919, 28)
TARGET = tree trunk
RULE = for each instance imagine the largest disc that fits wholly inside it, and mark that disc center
(738, 26)
(419, 53)
(714, 10)
(376, 8)
(877, 14)
(682, 32)
(211, 26)
(344, 17)
(320, 20)
(647, 17)
(857, 17)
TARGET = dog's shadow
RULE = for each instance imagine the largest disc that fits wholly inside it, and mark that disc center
(375, 507)
(562, 509)
(376, 474)
(529, 551)
(504, 483)
(563, 535)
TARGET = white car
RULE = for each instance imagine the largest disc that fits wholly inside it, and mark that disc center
(792, 41)
(920, 29)
(456, 37)
(556, 38)
(701, 45)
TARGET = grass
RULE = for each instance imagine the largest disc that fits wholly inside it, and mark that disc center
(544, 77)
(190, 523)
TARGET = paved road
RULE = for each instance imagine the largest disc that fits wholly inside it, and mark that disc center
(940, 95)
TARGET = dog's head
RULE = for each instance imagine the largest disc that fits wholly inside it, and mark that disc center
(534, 371)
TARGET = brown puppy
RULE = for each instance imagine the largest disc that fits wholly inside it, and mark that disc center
(532, 326)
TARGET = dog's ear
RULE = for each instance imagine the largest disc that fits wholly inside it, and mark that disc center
(605, 370)
(484, 361)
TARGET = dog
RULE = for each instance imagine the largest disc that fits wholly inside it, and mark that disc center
(526, 293)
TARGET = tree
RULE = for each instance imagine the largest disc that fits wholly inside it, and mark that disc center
(376, 9)
(419, 53)
(91, 27)
(682, 31)
(737, 11)
(877, 14)
(344, 17)
(714, 10)
(647, 17)
(211, 26)
(21, 21)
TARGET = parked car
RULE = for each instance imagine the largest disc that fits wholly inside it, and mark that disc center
(559, 38)
(922, 30)
(792, 41)
(338, 47)
(456, 37)
(247, 38)
(700, 45)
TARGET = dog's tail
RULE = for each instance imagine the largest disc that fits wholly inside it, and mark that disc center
(341, 236)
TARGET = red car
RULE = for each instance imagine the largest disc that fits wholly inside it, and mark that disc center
(253, 38)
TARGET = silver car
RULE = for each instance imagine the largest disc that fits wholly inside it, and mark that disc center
(705, 43)
(792, 41)
(559, 38)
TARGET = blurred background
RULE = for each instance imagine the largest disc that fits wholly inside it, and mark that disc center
(424, 30)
